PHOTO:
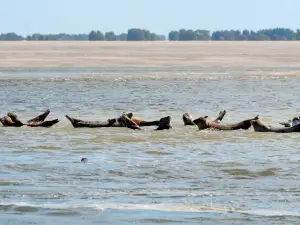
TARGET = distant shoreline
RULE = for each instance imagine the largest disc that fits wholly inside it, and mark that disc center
(208, 54)
(137, 34)
(150, 41)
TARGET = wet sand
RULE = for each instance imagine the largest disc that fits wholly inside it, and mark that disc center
(150, 54)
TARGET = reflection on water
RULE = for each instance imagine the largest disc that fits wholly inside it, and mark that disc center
(173, 176)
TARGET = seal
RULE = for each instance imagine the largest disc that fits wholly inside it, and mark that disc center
(12, 120)
(189, 121)
(261, 126)
(122, 121)
(125, 120)
(202, 124)
(84, 160)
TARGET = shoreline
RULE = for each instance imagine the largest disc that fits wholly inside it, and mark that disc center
(164, 54)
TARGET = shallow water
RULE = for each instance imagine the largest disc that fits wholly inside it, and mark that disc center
(148, 177)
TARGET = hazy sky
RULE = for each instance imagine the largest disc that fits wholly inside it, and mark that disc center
(160, 16)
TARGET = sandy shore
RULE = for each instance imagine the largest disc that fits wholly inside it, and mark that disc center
(149, 54)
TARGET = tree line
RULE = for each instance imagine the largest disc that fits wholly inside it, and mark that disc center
(134, 34)
(276, 34)
(131, 35)
(95, 35)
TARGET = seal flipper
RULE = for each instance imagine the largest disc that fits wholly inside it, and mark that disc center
(40, 118)
(220, 116)
(49, 123)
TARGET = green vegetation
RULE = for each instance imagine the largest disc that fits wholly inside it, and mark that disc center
(96, 36)
(134, 34)
(56, 37)
(10, 37)
(143, 35)
(276, 34)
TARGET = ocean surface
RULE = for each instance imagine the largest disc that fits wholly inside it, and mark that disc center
(177, 176)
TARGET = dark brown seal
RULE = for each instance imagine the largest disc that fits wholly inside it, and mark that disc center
(12, 120)
(202, 123)
(122, 121)
(125, 120)
(189, 121)
(84, 160)
(261, 126)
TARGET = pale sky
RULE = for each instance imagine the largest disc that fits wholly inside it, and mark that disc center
(159, 16)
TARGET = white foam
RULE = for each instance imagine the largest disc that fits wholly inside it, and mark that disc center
(157, 207)
(270, 213)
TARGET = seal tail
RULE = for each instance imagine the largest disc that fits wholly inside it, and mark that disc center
(49, 123)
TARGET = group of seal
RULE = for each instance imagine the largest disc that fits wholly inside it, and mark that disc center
(258, 125)
(127, 120)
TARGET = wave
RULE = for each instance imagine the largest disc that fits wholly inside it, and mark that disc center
(245, 172)
(183, 208)
(140, 74)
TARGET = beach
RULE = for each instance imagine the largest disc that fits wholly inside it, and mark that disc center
(237, 54)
